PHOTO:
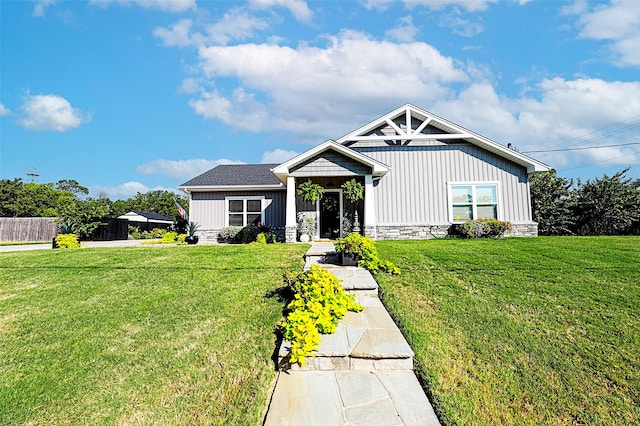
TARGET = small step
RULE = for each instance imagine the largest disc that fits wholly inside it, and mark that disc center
(364, 341)
(320, 253)
(354, 280)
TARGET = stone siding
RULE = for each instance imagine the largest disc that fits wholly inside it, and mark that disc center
(423, 232)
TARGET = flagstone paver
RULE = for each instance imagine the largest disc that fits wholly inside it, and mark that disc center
(362, 375)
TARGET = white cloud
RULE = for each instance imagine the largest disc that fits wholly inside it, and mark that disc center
(314, 89)
(459, 25)
(178, 35)
(559, 114)
(124, 191)
(405, 30)
(470, 5)
(278, 156)
(173, 6)
(41, 5)
(236, 24)
(190, 86)
(298, 8)
(618, 23)
(4, 110)
(50, 112)
(182, 169)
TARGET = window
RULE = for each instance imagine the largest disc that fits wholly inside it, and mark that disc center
(473, 201)
(243, 211)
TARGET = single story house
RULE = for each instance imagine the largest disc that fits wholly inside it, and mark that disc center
(420, 174)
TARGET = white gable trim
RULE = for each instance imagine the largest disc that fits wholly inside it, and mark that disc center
(452, 131)
(283, 170)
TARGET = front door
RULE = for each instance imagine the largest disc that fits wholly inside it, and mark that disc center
(330, 207)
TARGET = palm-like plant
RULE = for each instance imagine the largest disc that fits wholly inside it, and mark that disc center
(192, 228)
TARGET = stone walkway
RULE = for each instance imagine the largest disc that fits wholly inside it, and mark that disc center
(361, 375)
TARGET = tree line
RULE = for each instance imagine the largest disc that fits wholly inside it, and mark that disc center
(69, 201)
(609, 205)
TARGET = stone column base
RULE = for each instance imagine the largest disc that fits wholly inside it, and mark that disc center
(370, 231)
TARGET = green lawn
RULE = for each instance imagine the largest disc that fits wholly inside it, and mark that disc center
(151, 335)
(522, 331)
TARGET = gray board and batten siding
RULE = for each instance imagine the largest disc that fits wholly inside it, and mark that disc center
(330, 163)
(415, 191)
(209, 207)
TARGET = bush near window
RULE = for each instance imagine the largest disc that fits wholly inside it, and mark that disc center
(67, 241)
(319, 302)
(485, 228)
(228, 234)
(364, 248)
(247, 234)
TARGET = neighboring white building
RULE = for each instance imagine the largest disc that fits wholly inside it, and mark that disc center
(146, 217)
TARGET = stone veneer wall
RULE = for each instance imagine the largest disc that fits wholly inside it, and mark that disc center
(422, 232)
(399, 232)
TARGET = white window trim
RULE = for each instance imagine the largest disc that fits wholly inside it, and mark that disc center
(473, 184)
(244, 198)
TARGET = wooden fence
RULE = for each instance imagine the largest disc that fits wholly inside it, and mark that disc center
(27, 228)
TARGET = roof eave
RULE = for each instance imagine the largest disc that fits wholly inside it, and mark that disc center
(222, 188)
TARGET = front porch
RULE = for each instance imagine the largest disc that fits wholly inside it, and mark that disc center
(334, 215)
(330, 165)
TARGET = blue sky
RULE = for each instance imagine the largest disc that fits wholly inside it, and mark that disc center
(133, 95)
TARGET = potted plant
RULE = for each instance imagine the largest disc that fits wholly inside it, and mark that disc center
(65, 228)
(192, 228)
(306, 228)
(353, 190)
(310, 192)
(353, 248)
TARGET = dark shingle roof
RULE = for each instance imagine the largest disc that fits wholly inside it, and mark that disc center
(236, 175)
(152, 216)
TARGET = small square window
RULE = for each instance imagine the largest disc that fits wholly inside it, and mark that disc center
(244, 211)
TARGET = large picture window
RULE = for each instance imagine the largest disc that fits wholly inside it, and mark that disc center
(243, 211)
(473, 201)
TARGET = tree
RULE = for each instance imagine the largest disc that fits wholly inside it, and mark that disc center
(89, 214)
(157, 201)
(607, 206)
(551, 199)
(9, 192)
(72, 186)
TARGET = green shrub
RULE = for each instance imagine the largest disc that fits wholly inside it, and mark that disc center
(134, 231)
(248, 234)
(169, 237)
(364, 249)
(485, 228)
(261, 238)
(157, 233)
(228, 235)
(67, 241)
(319, 301)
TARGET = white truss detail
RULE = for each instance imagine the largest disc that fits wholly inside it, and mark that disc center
(397, 127)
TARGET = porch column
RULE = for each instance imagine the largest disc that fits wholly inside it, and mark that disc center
(290, 222)
(369, 208)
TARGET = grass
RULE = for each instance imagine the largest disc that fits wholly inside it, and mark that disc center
(150, 335)
(522, 331)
